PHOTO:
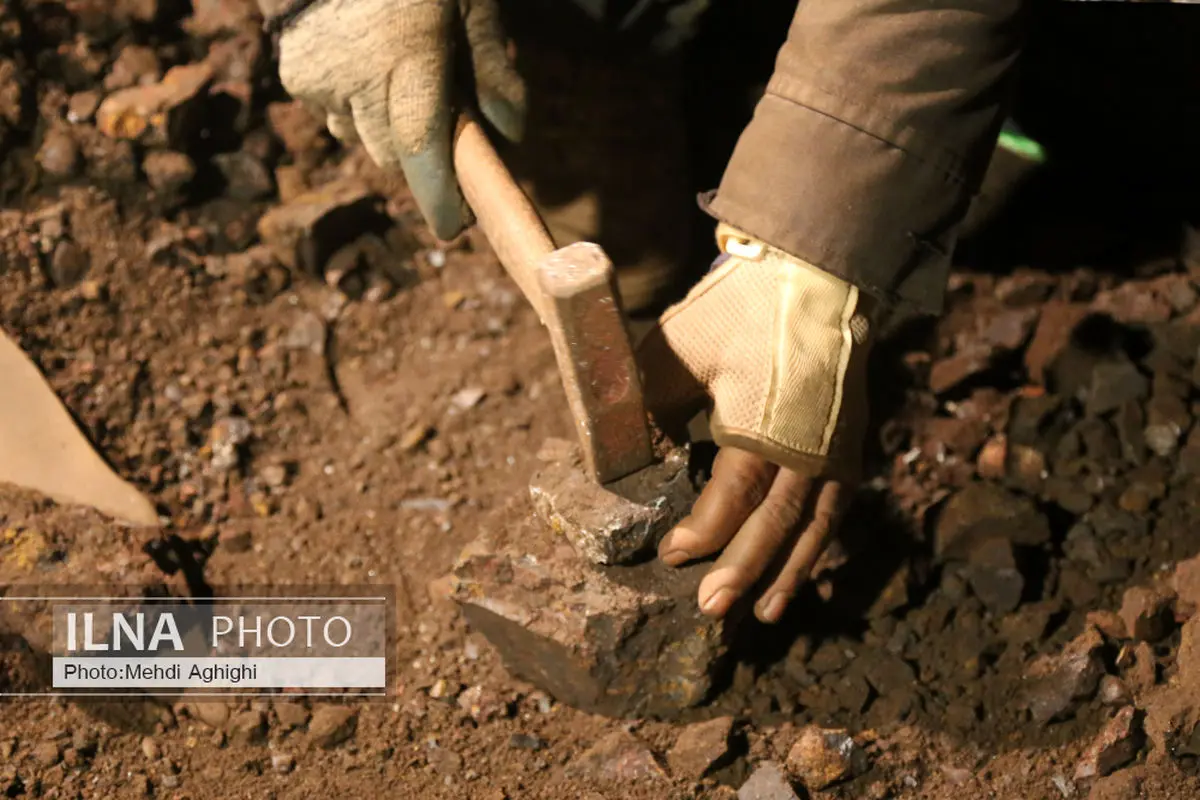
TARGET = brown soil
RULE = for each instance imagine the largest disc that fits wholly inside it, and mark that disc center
(394, 413)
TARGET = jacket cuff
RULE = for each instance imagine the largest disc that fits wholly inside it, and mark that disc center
(867, 201)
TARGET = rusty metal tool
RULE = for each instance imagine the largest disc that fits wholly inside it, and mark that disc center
(574, 292)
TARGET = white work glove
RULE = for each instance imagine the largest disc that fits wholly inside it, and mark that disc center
(382, 72)
(779, 348)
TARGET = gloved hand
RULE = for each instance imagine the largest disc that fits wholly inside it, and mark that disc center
(779, 348)
(382, 72)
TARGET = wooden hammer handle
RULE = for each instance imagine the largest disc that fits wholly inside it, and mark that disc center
(502, 210)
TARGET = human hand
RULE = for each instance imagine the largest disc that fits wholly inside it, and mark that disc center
(779, 349)
(381, 70)
(765, 520)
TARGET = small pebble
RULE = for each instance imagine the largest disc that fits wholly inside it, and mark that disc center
(150, 748)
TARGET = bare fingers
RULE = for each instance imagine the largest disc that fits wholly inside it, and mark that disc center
(761, 518)
(740, 481)
(818, 529)
(762, 539)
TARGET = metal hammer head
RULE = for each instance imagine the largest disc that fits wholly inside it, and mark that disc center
(595, 359)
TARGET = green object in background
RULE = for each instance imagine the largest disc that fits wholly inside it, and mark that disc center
(1019, 144)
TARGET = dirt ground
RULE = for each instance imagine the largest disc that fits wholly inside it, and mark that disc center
(314, 391)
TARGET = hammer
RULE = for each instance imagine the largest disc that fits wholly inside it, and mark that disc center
(573, 290)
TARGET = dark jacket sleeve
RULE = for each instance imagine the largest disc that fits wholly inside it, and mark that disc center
(873, 136)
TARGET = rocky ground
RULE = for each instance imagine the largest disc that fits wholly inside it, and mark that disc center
(253, 325)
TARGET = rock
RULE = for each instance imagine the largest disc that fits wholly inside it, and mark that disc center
(1187, 660)
(300, 132)
(992, 463)
(290, 715)
(225, 438)
(164, 114)
(982, 511)
(1124, 785)
(235, 64)
(1116, 746)
(619, 641)
(699, 747)
(248, 727)
(169, 173)
(81, 107)
(1108, 623)
(135, 65)
(214, 715)
(526, 741)
(618, 758)
(482, 704)
(84, 741)
(1052, 335)
(1008, 329)
(468, 398)
(12, 96)
(332, 725)
(1147, 613)
(1140, 668)
(150, 748)
(283, 763)
(1185, 580)
(1115, 383)
(306, 232)
(1113, 692)
(823, 756)
(68, 265)
(274, 475)
(947, 373)
(246, 178)
(213, 17)
(993, 575)
(46, 754)
(616, 524)
(1024, 288)
(1167, 417)
(308, 332)
(1056, 683)
(235, 540)
(767, 782)
(59, 153)
(1133, 302)
(1172, 722)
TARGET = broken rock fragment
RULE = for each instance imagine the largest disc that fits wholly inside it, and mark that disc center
(305, 232)
(165, 114)
(699, 747)
(612, 524)
(1186, 583)
(768, 782)
(993, 575)
(332, 725)
(823, 756)
(621, 640)
(1172, 722)
(1115, 383)
(1147, 613)
(621, 758)
(1113, 692)
(982, 511)
(1116, 746)
(1056, 683)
